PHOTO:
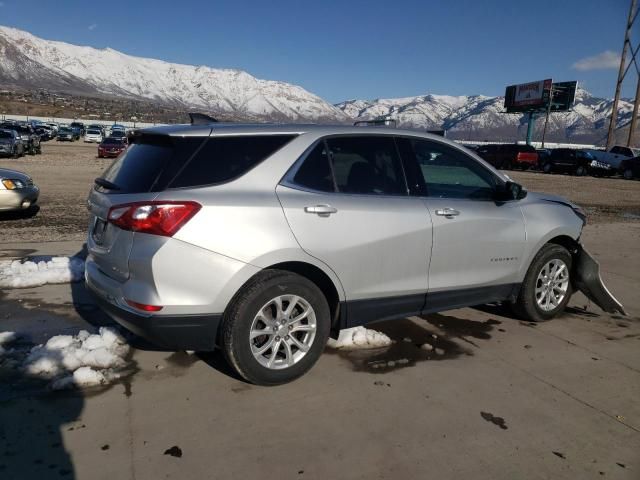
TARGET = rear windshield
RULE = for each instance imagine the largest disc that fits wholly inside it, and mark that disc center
(155, 164)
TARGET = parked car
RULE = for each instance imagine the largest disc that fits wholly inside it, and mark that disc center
(30, 139)
(508, 156)
(93, 136)
(45, 132)
(263, 240)
(111, 147)
(614, 155)
(97, 126)
(577, 162)
(630, 168)
(67, 134)
(120, 134)
(17, 191)
(79, 126)
(11, 144)
(54, 127)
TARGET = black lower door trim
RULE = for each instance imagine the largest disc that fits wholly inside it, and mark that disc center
(354, 313)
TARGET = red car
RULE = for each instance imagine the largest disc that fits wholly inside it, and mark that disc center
(111, 147)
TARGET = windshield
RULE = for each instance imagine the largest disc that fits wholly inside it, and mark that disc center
(112, 141)
(93, 132)
(5, 135)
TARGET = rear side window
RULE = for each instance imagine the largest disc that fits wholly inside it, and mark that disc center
(315, 172)
(367, 165)
(222, 159)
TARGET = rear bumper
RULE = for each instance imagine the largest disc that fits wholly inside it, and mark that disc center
(173, 332)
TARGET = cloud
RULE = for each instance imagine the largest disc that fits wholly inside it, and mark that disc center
(601, 61)
(93, 26)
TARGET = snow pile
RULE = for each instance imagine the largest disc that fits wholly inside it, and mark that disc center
(359, 337)
(32, 273)
(82, 360)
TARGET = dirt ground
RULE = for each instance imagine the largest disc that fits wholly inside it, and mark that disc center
(65, 172)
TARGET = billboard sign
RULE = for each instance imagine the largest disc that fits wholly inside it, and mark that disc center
(527, 96)
(563, 96)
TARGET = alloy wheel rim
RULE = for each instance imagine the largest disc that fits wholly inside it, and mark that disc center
(282, 332)
(552, 285)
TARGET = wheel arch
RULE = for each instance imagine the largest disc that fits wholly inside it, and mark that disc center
(321, 279)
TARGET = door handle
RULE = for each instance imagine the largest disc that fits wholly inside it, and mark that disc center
(447, 212)
(321, 210)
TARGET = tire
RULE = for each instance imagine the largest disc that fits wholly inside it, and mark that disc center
(527, 305)
(628, 174)
(581, 170)
(547, 168)
(15, 153)
(241, 316)
(506, 165)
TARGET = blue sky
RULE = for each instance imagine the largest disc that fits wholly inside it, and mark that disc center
(355, 49)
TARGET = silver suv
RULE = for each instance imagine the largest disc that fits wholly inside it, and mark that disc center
(263, 240)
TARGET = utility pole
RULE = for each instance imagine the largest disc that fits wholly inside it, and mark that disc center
(634, 115)
(633, 13)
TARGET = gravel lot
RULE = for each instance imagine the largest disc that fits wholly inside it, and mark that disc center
(65, 171)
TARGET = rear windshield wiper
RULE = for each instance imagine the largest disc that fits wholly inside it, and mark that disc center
(104, 183)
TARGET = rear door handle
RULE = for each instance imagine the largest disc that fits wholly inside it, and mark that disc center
(447, 212)
(321, 210)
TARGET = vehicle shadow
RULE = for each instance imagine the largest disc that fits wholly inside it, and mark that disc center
(20, 215)
(32, 420)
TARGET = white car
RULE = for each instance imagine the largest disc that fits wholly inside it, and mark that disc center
(93, 136)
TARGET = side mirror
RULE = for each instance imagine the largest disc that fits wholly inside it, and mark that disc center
(511, 191)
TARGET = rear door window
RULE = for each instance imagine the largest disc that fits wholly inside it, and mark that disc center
(315, 171)
(222, 159)
(367, 165)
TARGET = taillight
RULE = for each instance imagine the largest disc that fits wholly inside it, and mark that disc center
(155, 218)
(143, 306)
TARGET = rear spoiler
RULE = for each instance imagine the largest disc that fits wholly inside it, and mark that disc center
(201, 119)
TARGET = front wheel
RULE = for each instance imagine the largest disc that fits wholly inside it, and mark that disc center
(581, 171)
(275, 328)
(547, 168)
(546, 289)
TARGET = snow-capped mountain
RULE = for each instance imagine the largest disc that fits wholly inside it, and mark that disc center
(27, 61)
(479, 117)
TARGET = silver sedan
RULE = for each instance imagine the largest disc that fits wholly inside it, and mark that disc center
(17, 191)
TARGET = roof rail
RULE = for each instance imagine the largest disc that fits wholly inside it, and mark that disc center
(381, 122)
(201, 119)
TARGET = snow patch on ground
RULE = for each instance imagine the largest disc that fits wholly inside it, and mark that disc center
(359, 338)
(35, 272)
(73, 361)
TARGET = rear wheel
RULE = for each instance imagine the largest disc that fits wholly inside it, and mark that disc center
(276, 327)
(547, 168)
(546, 289)
(628, 174)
